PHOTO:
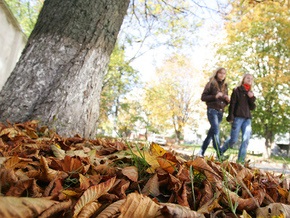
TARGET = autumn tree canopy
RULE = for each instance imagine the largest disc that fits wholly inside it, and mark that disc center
(173, 95)
(258, 43)
(59, 76)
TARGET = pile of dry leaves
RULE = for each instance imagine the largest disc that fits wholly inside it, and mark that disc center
(45, 175)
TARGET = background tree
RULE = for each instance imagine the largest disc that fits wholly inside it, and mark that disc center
(258, 42)
(60, 73)
(26, 12)
(120, 80)
(173, 96)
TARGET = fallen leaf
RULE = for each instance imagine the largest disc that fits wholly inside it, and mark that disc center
(92, 194)
(131, 172)
(15, 207)
(138, 205)
(274, 210)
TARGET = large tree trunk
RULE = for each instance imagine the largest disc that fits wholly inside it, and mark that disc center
(59, 76)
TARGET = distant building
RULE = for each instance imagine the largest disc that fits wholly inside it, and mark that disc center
(12, 42)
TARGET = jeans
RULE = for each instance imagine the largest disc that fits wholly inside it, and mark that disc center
(244, 125)
(214, 117)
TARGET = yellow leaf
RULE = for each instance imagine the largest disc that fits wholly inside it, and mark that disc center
(69, 193)
(156, 150)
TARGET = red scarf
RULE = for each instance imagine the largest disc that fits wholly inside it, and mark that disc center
(247, 87)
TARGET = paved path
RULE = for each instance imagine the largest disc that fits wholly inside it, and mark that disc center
(256, 162)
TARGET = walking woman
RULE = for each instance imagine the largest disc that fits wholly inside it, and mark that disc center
(215, 95)
(242, 102)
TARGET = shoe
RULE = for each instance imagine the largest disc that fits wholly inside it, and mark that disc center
(199, 154)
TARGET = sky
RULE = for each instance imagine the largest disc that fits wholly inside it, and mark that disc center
(201, 53)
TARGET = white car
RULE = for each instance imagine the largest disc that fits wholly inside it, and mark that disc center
(158, 139)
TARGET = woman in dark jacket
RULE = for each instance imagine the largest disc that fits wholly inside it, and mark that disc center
(215, 95)
(242, 102)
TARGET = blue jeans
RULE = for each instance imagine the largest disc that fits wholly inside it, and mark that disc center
(215, 118)
(239, 124)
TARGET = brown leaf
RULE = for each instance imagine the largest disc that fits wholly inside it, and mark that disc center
(211, 204)
(72, 165)
(167, 165)
(183, 174)
(121, 188)
(131, 172)
(19, 188)
(56, 208)
(89, 209)
(152, 186)
(207, 194)
(175, 210)
(92, 194)
(274, 210)
(248, 204)
(112, 209)
(50, 174)
(138, 205)
(201, 165)
(31, 133)
(84, 182)
(36, 191)
(7, 176)
(182, 199)
(15, 207)
(11, 132)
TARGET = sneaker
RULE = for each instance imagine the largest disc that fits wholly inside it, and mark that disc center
(199, 154)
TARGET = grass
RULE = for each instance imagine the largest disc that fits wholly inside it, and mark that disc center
(210, 151)
(280, 159)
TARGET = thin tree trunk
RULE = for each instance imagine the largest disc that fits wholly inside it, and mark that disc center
(59, 76)
(268, 143)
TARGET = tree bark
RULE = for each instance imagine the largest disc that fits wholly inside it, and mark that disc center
(269, 142)
(59, 76)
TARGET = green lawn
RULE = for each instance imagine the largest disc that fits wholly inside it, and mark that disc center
(234, 152)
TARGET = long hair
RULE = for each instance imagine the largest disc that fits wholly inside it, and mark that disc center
(213, 80)
(243, 79)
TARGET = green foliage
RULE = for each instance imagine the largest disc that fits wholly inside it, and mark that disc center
(258, 42)
(26, 12)
(120, 80)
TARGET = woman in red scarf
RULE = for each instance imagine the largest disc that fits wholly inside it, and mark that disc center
(241, 104)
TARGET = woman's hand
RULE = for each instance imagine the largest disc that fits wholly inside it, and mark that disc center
(218, 95)
(250, 94)
(227, 98)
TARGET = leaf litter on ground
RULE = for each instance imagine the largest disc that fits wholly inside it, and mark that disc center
(46, 175)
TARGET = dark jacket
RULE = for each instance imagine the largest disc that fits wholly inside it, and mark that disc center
(241, 104)
(209, 94)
